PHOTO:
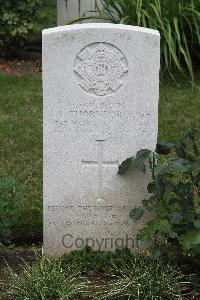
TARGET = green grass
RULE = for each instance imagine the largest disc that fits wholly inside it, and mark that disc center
(179, 109)
(21, 148)
(21, 139)
(138, 277)
(46, 281)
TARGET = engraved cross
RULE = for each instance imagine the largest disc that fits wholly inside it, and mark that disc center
(100, 163)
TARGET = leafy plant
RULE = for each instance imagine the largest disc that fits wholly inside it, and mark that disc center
(16, 20)
(98, 261)
(177, 22)
(47, 280)
(174, 195)
(146, 278)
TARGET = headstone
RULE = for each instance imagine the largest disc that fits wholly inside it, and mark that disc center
(68, 10)
(101, 91)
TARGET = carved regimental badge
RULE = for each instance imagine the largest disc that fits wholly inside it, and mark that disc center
(100, 69)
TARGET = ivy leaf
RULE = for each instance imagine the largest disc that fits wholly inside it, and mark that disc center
(196, 179)
(180, 151)
(136, 213)
(197, 224)
(195, 149)
(139, 164)
(125, 166)
(149, 204)
(154, 227)
(181, 165)
(190, 239)
(151, 187)
(175, 218)
(139, 161)
(195, 164)
(170, 186)
(164, 148)
(187, 139)
(143, 154)
(145, 203)
(166, 228)
(161, 170)
(160, 187)
(189, 216)
(196, 201)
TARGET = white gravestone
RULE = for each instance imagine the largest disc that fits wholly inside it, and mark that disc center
(70, 10)
(101, 91)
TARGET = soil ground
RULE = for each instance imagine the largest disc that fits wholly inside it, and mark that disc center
(21, 67)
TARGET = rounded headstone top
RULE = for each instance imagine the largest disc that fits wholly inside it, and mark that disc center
(93, 26)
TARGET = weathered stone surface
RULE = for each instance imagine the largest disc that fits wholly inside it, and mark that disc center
(71, 11)
(101, 90)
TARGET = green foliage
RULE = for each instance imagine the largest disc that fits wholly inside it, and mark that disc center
(177, 22)
(16, 19)
(131, 276)
(175, 196)
(98, 261)
(46, 281)
(45, 17)
(137, 162)
(146, 278)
